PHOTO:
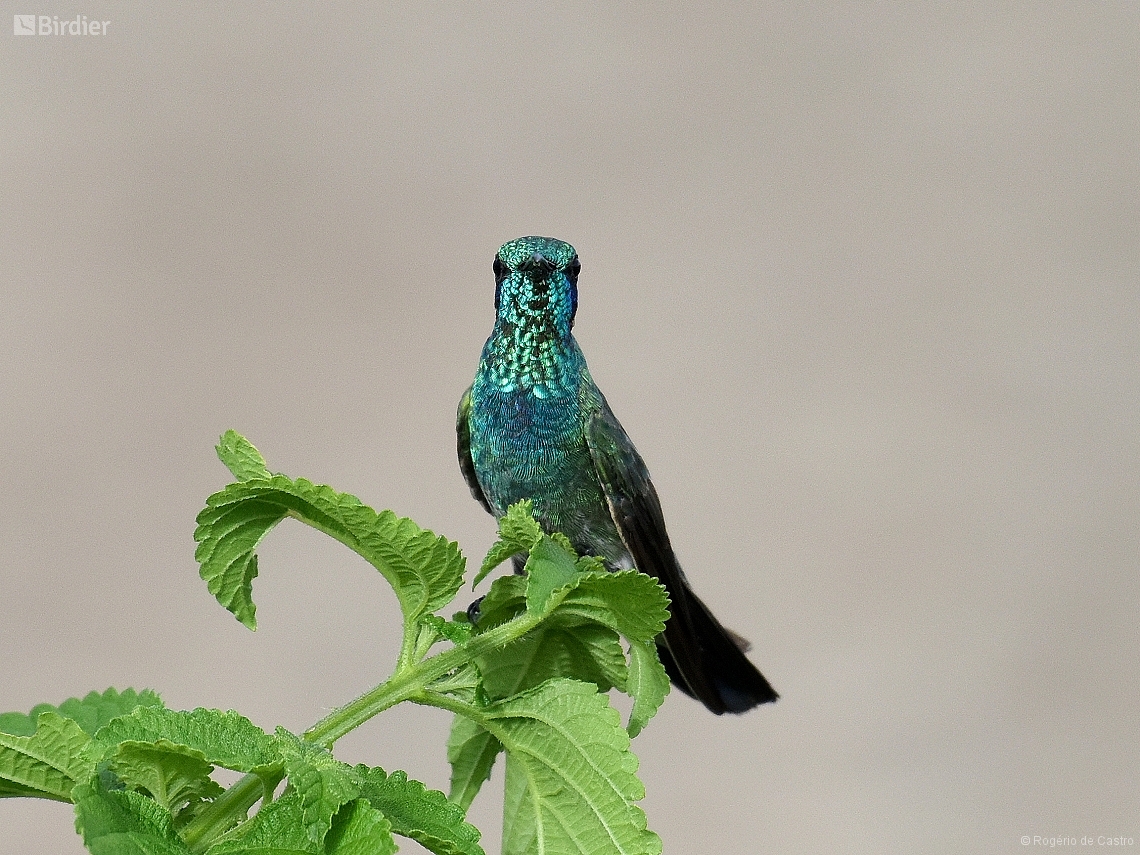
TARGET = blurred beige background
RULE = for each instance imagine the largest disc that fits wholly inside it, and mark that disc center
(861, 280)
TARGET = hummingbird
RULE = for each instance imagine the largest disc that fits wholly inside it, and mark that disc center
(534, 425)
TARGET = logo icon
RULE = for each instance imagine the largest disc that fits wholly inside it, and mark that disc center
(23, 25)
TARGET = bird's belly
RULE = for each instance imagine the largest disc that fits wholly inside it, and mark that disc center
(529, 448)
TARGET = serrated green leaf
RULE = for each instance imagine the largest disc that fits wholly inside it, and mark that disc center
(360, 829)
(464, 683)
(277, 829)
(549, 567)
(90, 712)
(521, 829)
(229, 530)
(458, 630)
(10, 789)
(122, 822)
(226, 739)
(424, 815)
(175, 776)
(428, 632)
(323, 782)
(48, 763)
(648, 684)
(496, 555)
(572, 779)
(505, 600)
(518, 532)
(471, 751)
(563, 541)
(23, 724)
(519, 527)
(424, 570)
(241, 458)
(629, 602)
(581, 651)
(576, 640)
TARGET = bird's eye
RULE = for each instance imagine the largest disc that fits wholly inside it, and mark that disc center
(573, 267)
(498, 267)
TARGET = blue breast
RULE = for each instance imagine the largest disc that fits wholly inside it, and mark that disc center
(528, 412)
(525, 447)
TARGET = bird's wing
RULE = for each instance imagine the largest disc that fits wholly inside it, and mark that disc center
(703, 658)
(636, 511)
(463, 447)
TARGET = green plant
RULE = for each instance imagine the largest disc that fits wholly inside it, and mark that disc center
(528, 681)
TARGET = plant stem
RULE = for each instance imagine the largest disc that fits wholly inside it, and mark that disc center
(407, 684)
(205, 828)
(404, 686)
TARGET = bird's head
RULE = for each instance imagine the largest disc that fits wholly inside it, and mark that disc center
(536, 284)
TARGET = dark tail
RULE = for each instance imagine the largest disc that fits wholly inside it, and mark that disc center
(705, 661)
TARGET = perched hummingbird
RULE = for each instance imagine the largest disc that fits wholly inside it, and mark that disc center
(534, 426)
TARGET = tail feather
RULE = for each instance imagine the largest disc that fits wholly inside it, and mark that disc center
(706, 661)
